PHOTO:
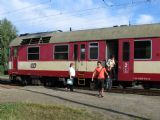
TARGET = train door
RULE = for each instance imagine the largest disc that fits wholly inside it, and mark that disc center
(15, 58)
(80, 56)
(125, 65)
(80, 61)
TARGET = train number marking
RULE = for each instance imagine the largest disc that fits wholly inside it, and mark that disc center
(33, 65)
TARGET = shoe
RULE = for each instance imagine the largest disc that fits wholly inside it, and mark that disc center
(100, 96)
(71, 90)
(66, 89)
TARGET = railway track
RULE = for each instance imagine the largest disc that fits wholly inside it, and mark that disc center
(151, 92)
(9, 86)
(155, 92)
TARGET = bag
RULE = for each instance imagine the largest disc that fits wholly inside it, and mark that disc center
(92, 85)
(69, 81)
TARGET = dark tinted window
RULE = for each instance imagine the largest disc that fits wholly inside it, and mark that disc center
(61, 52)
(126, 51)
(142, 49)
(93, 51)
(75, 52)
(83, 50)
(33, 53)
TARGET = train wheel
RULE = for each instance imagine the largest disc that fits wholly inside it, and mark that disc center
(146, 85)
(23, 80)
(122, 85)
(12, 79)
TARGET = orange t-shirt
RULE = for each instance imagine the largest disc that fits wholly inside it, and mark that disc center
(100, 73)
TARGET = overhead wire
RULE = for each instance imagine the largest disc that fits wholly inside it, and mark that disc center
(78, 12)
(62, 13)
(59, 14)
(24, 8)
(126, 4)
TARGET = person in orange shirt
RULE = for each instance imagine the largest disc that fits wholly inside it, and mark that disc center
(100, 72)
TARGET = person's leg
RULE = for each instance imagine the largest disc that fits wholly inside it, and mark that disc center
(114, 73)
(102, 88)
(71, 87)
(102, 95)
(99, 88)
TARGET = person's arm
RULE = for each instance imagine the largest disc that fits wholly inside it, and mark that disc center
(114, 62)
(108, 63)
(69, 73)
(93, 75)
(106, 72)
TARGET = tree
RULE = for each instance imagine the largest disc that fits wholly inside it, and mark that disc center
(7, 33)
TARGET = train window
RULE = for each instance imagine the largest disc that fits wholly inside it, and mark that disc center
(83, 50)
(33, 53)
(142, 49)
(15, 52)
(126, 51)
(75, 51)
(61, 52)
(93, 48)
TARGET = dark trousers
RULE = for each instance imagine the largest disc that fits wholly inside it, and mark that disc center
(71, 86)
(112, 73)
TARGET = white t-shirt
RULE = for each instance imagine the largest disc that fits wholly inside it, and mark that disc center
(111, 63)
(72, 71)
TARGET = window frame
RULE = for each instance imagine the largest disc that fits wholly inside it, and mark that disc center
(63, 52)
(150, 47)
(91, 47)
(82, 52)
(38, 52)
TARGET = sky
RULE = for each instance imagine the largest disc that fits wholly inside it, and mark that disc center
(31, 16)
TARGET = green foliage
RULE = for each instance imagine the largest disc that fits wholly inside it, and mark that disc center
(29, 111)
(7, 33)
(1, 69)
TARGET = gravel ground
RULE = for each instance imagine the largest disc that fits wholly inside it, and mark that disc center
(113, 106)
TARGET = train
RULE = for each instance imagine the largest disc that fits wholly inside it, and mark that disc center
(45, 56)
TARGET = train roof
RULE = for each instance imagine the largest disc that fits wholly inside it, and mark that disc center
(112, 33)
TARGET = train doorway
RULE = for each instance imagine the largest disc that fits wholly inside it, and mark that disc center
(15, 59)
(112, 50)
(80, 56)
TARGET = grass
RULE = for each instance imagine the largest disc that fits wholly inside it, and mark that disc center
(30, 111)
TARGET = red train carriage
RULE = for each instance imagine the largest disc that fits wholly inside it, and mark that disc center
(46, 56)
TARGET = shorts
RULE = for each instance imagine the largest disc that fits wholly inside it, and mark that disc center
(100, 83)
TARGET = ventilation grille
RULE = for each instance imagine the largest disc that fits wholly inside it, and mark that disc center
(45, 39)
(35, 40)
(25, 41)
